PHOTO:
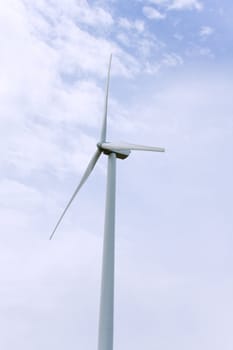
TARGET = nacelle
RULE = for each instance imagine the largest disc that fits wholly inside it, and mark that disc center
(120, 154)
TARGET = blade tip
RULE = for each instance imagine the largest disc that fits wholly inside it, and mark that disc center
(110, 58)
(52, 234)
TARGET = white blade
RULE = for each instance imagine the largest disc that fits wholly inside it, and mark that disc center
(88, 171)
(130, 147)
(104, 125)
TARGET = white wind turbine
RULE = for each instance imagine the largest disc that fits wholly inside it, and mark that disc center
(113, 151)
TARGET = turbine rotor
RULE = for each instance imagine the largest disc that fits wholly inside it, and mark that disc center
(120, 149)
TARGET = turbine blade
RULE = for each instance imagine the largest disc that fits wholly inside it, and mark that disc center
(86, 174)
(104, 123)
(130, 147)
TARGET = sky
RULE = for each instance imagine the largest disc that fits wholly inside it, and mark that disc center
(171, 86)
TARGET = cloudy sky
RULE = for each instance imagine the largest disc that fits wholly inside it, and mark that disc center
(172, 87)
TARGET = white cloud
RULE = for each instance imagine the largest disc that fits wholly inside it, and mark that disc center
(80, 11)
(172, 60)
(206, 31)
(45, 68)
(152, 13)
(131, 25)
(179, 4)
(185, 4)
(178, 36)
(158, 2)
(197, 50)
(124, 39)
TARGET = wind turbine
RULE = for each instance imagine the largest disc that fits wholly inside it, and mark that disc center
(113, 151)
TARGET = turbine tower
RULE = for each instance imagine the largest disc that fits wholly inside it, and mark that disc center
(112, 151)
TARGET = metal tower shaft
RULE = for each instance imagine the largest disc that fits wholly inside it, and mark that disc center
(106, 319)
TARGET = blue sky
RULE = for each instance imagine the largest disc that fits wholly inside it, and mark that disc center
(171, 86)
